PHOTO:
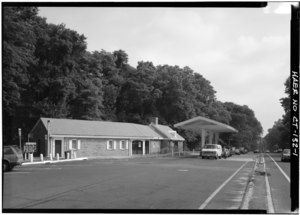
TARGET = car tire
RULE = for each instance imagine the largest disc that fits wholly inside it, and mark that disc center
(5, 166)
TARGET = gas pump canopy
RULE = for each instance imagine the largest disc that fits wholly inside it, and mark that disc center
(201, 123)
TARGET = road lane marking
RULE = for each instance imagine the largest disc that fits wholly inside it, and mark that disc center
(285, 175)
(13, 173)
(205, 203)
(269, 197)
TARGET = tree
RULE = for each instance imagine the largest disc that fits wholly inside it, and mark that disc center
(244, 120)
(286, 118)
(58, 50)
(17, 56)
(275, 138)
(279, 134)
(137, 98)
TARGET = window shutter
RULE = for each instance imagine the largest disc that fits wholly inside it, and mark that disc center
(126, 144)
(70, 144)
(78, 144)
(115, 145)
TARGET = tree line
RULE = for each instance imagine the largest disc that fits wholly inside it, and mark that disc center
(48, 72)
(279, 135)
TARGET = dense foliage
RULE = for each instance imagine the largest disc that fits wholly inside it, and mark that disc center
(279, 135)
(47, 72)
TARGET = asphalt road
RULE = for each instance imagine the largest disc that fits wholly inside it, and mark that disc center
(279, 180)
(148, 183)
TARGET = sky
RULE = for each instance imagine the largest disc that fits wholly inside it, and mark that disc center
(244, 52)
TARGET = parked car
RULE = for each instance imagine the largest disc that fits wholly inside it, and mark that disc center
(211, 150)
(286, 155)
(237, 152)
(225, 153)
(267, 151)
(243, 151)
(256, 151)
(12, 156)
(279, 150)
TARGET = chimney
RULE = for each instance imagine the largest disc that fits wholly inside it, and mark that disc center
(154, 120)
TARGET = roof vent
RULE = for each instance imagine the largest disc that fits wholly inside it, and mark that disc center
(173, 133)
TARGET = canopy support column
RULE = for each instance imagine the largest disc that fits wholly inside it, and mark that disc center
(143, 147)
(203, 133)
(216, 138)
(211, 135)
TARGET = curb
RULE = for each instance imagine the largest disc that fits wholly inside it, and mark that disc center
(54, 161)
(249, 188)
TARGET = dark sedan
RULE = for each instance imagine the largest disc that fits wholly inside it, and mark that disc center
(286, 155)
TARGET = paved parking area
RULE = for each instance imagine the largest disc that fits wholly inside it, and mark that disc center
(145, 183)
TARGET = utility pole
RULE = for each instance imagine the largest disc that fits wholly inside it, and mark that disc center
(20, 134)
(48, 138)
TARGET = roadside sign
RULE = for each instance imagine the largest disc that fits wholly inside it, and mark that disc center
(30, 147)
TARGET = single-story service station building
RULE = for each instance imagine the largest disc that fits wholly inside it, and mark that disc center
(102, 138)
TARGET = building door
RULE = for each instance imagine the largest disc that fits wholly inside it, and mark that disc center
(137, 147)
(147, 147)
(57, 145)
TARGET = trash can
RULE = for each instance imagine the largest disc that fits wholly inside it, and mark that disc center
(68, 152)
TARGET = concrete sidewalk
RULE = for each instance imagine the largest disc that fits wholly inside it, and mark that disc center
(52, 161)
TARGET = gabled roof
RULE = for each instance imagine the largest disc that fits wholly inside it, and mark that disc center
(198, 123)
(167, 132)
(71, 127)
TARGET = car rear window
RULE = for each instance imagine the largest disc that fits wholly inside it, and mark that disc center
(287, 151)
(8, 151)
(17, 149)
(210, 146)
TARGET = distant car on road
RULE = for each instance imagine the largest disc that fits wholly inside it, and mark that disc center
(286, 155)
(12, 156)
(256, 151)
(279, 150)
(267, 151)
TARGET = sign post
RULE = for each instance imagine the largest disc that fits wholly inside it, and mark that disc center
(29, 149)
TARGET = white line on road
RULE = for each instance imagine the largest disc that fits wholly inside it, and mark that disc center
(285, 175)
(269, 197)
(13, 173)
(204, 204)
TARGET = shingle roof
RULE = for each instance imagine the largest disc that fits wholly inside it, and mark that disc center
(167, 132)
(99, 128)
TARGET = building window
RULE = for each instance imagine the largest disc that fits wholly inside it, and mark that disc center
(111, 145)
(74, 144)
(123, 144)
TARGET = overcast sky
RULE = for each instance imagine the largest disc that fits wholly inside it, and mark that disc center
(243, 52)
